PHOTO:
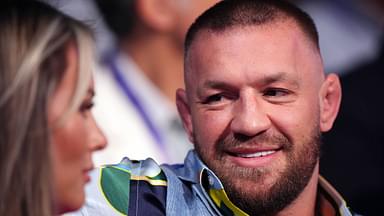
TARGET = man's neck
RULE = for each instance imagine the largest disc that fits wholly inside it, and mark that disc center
(160, 59)
(305, 203)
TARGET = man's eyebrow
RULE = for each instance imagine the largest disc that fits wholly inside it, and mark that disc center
(215, 84)
(279, 77)
(262, 81)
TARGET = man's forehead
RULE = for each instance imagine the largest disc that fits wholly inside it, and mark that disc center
(262, 80)
(284, 41)
(278, 30)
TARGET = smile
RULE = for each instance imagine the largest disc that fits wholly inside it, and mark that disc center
(252, 157)
(257, 154)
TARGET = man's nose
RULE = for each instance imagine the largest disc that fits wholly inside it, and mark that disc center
(249, 116)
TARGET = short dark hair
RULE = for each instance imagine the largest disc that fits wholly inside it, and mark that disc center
(119, 15)
(242, 13)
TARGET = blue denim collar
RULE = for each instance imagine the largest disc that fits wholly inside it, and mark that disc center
(211, 188)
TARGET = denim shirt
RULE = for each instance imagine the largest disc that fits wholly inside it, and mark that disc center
(145, 188)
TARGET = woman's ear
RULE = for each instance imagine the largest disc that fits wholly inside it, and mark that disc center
(184, 112)
(158, 15)
(330, 98)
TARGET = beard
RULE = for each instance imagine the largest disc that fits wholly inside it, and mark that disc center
(264, 190)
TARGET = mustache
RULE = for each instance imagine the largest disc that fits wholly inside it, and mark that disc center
(264, 139)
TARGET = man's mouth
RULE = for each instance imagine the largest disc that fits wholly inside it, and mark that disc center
(256, 155)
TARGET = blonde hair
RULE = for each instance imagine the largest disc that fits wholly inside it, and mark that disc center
(33, 44)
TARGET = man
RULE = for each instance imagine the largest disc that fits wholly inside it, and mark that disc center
(138, 80)
(255, 104)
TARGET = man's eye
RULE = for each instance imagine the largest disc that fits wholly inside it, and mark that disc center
(218, 99)
(276, 92)
(213, 99)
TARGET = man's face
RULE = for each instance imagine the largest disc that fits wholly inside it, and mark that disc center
(252, 109)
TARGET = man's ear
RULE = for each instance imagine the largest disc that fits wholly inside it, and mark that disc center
(184, 112)
(158, 15)
(330, 98)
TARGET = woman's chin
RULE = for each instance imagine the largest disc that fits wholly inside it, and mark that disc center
(69, 205)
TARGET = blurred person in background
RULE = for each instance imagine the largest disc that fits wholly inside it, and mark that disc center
(47, 130)
(353, 158)
(139, 77)
(349, 32)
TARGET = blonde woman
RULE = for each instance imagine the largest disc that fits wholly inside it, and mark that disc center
(47, 130)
